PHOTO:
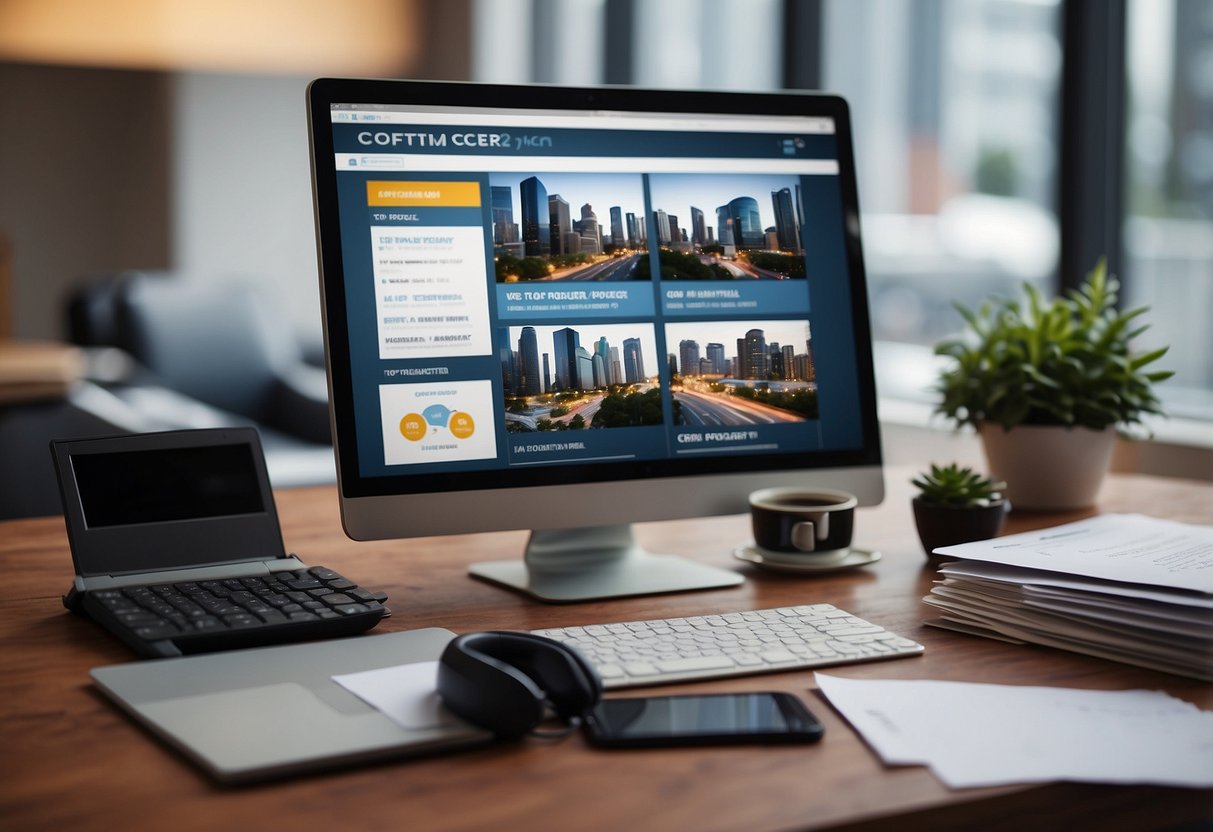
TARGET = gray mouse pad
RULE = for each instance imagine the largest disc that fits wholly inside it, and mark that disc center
(268, 712)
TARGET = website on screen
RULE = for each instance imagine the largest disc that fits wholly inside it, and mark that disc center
(537, 290)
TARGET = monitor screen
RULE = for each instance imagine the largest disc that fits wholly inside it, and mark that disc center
(574, 309)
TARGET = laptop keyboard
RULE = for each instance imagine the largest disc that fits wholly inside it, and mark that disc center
(160, 620)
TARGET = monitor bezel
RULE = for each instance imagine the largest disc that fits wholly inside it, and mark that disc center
(365, 499)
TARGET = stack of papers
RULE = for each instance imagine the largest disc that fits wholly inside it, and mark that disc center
(990, 735)
(1124, 587)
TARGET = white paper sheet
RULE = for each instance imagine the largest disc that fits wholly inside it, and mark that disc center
(407, 693)
(1037, 578)
(986, 735)
(1117, 547)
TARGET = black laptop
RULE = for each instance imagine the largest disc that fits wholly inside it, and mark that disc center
(177, 547)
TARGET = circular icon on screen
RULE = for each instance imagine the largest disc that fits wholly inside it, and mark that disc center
(413, 427)
(461, 425)
(416, 426)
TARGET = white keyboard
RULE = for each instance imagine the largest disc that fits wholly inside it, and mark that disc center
(657, 652)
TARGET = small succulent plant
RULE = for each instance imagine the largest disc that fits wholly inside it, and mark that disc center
(957, 487)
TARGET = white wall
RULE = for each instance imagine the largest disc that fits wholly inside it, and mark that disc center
(242, 199)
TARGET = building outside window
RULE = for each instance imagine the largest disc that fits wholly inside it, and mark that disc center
(1168, 224)
(956, 107)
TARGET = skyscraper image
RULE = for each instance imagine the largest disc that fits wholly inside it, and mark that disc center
(724, 226)
(603, 349)
(786, 227)
(564, 348)
(716, 357)
(747, 222)
(688, 357)
(502, 201)
(585, 369)
(589, 227)
(536, 218)
(528, 363)
(799, 212)
(561, 222)
(775, 368)
(698, 228)
(617, 233)
(752, 355)
(632, 231)
(633, 361)
(599, 370)
(662, 223)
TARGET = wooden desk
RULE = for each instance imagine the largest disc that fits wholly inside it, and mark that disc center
(70, 760)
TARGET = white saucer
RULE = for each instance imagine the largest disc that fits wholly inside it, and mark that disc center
(852, 558)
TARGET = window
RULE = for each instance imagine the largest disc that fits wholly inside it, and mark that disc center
(955, 116)
(956, 107)
(1168, 227)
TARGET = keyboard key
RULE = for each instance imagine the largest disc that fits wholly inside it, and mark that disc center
(639, 669)
(242, 620)
(696, 663)
(303, 583)
(153, 631)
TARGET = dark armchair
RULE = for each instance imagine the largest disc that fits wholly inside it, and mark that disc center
(211, 354)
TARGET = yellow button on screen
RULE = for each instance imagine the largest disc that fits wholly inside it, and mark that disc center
(412, 427)
(462, 425)
(421, 194)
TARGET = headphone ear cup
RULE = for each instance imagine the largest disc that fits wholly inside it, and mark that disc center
(502, 680)
(487, 691)
(572, 685)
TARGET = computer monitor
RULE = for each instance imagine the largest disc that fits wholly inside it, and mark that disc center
(570, 310)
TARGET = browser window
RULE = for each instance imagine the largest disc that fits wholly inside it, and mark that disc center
(545, 289)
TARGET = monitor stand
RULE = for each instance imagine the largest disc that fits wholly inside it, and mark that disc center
(568, 565)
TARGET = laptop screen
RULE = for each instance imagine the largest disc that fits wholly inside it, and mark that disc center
(160, 486)
(155, 502)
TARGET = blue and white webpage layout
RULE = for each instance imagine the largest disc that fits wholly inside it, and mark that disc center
(563, 289)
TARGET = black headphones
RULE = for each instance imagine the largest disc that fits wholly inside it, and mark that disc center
(503, 681)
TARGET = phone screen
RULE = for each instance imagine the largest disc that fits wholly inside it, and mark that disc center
(701, 720)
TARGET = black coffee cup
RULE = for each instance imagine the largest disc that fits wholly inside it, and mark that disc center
(804, 523)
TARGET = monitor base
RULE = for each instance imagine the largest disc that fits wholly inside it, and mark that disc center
(570, 565)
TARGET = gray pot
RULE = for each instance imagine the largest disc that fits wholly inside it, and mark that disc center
(1048, 467)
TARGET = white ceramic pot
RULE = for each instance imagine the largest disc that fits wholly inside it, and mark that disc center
(1048, 467)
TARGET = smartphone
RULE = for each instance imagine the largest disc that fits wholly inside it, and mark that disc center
(712, 719)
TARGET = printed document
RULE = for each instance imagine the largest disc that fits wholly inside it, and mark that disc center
(987, 735)
(1116, 547)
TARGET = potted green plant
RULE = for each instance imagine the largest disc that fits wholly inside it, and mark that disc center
(1047, 384)
(957, 505)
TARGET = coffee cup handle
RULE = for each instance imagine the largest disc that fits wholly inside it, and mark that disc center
(806, 534)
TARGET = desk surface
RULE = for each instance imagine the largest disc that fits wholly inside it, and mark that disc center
(68, 759)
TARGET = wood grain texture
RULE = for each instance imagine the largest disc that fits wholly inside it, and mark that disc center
(69, 759)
